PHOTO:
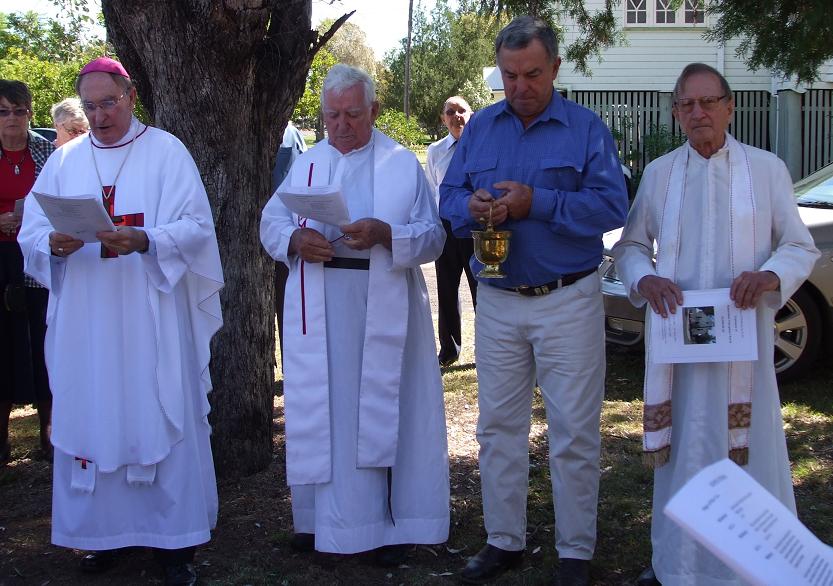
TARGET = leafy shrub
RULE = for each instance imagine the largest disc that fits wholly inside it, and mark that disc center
(404, 131)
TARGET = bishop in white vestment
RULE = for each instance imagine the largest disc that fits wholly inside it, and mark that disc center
(722, 214)
(129, 325)
(365, 427)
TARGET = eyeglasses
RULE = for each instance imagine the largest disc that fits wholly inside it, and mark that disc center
(707, 103)
(105, 105)
(74, 131)
(19, 112)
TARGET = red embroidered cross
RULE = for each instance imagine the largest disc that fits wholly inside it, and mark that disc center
(108, 198)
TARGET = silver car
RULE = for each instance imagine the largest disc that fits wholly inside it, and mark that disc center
(803, 327)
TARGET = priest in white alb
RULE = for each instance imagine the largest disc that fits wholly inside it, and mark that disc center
(129, 321)
(365, 427)
(721, 214)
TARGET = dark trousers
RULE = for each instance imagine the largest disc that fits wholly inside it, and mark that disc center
(174, 557)
(450, 266)
(281, 275)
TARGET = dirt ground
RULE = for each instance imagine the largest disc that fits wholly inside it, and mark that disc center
(250, 543)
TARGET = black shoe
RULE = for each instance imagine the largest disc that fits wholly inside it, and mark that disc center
(447, 358)
(489, 563)
(648, 578)
(180, 575)
(97, 562)
(390, 556)
(573, 572)
(303, 542)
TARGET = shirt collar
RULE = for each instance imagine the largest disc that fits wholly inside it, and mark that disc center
(555, 110)
(450, 141)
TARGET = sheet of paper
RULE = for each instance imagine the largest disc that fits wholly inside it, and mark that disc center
(79, 217)
(325, 204)
(18, 208)
(732, 515)
(707, 328)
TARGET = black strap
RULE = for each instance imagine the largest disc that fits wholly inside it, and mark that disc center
(339, 262)
(390, 496)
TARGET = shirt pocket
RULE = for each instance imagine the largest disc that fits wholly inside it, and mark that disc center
(560, 173)
(479, 166)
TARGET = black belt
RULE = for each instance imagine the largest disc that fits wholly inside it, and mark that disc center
(339, 262)
(546, 288)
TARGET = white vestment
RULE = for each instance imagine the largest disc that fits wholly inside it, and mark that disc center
(362, 387)
(127, 349)
(783, 245)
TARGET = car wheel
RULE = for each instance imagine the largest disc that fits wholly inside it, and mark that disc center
(797, 336)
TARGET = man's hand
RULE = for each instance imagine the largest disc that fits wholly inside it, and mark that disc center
(310, 245)
(481, 201)
(748, 287)
(663, 294)
(517, 198)
(8, 223)
(63, 244)
(125, 240)
(366, 233)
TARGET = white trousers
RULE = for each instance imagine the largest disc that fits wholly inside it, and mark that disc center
(560, 338)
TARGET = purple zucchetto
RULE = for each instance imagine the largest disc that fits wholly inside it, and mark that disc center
(104, 65)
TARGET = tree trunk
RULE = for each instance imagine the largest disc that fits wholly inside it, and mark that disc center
(224, 77)
(406, 101)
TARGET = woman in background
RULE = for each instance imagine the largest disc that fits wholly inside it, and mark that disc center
(69, 120)
(23, 300)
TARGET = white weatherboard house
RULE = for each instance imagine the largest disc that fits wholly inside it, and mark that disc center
(631, 87)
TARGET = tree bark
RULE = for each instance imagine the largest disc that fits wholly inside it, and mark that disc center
(224, 76)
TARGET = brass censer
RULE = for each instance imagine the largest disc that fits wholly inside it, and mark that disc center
(491, 247)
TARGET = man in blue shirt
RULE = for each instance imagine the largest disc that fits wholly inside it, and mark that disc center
(547, 169)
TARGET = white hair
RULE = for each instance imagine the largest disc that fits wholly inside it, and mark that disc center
(69, 110)
(342, 77)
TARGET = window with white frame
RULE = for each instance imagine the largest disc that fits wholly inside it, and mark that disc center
(663, 13)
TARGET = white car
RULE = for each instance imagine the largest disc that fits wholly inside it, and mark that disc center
(803, 327)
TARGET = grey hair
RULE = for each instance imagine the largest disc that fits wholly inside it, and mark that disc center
(124, 83)
(68, 110)
(519, 33)
(694, 69)
(342, 77)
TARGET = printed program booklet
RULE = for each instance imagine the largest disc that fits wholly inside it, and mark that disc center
(751, 531)
(706, 328)
(80, 217)
(325, 204)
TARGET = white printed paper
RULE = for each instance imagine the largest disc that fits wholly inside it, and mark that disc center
(706, 328)
(325, 203)
(79, 217)
(732, 515)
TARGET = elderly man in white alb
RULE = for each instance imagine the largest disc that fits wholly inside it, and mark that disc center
(130, 319)
(454, 261)
(744, 233)
(366, 452)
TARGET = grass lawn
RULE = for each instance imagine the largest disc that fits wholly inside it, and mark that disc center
(250, 544)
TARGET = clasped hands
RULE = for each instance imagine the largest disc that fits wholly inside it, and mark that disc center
(9, 223)
(515, 203)
(124, 240)
(312, 246)
(664, 295)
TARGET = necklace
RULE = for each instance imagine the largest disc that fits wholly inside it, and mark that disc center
(15, 166)
(108, 193)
